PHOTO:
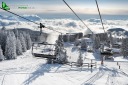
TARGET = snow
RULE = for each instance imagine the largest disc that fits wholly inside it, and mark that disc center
(116, 50)
(120, 58)
(52, 37)
(30, 70)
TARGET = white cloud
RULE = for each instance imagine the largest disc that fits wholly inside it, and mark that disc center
(63, 25)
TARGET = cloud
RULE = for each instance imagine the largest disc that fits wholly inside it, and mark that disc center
(62, 25)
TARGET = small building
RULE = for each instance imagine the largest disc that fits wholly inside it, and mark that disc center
(71, 37)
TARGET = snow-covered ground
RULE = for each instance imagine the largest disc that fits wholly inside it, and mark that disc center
(29, 70)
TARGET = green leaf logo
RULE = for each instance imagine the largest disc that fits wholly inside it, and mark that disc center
(4, 6)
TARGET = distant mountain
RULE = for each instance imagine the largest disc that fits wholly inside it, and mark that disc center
(118, 29)
(12, 18)
(3, 17)
(30, 17)
(94, 20)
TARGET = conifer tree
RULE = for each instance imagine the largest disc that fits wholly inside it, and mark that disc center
(18, 47)
(111, 40)
(124, 47)
(16, 32)
(97, 43)
(83, 44)
(3, 36)
(10, 49)
(28, 41)
(80, 60)
(1, 54)
(22, 40)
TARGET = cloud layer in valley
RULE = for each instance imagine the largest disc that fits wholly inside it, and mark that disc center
(62, 25)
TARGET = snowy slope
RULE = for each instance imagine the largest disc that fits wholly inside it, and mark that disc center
(29, 70)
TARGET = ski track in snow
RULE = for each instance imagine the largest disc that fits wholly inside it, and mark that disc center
(95, 77)
(111, 80)
(112, 73)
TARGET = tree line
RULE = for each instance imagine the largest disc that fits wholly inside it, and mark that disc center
(13, 43)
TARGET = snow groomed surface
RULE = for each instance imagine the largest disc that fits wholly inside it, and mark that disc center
(28, 70)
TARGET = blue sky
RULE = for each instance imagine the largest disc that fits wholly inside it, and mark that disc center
(107, 7)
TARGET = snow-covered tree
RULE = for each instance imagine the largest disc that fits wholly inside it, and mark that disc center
(124, 47)
(80, 60)
(61, 56)
(1, 54)
(83, 44)
(97, 42)
(3, 36)
(18, 47)
(22, 40)
(103, 37)
(28, 41)
(3, 28)
(10, 49)
(16, 32)
(110, 39)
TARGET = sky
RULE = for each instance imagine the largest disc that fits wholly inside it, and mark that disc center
(107, 7)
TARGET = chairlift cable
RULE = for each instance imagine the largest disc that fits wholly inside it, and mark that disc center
(100, 15)
(19, 16)
(29, 20)
(77, 15)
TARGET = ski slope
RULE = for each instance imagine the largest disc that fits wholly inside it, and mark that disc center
(29, 70)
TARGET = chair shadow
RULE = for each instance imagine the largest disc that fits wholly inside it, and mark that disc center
(42, 69)
(48, 68)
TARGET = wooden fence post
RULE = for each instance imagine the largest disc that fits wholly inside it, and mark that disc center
(95, 64)
(119, 66)
(117, 63)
